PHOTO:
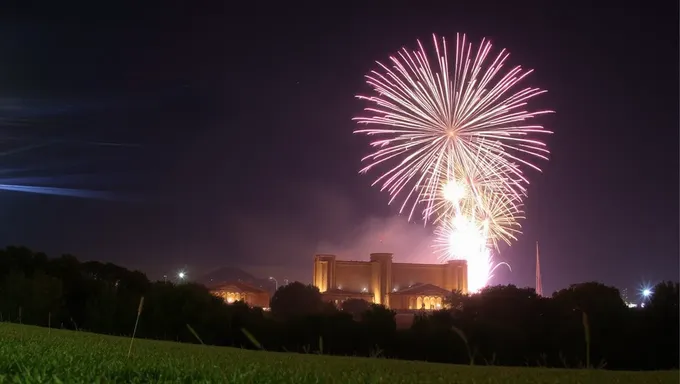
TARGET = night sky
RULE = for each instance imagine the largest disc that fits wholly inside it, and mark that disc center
(224, 135)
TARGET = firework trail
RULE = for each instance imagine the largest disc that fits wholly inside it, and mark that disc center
(456, 142)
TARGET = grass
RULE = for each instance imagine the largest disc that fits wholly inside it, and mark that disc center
(35, 355)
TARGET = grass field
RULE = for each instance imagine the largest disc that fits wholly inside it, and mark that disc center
(36, 355)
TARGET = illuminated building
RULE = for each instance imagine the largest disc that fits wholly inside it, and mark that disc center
(399, 286)
(239, 291)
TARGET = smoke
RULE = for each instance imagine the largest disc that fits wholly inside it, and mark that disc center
(409, 242)
(282, 240)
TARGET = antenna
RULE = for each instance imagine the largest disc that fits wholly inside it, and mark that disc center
(539, 282)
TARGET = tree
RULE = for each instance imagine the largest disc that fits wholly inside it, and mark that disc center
(592, 298)
(592, 318)
(355, 307)
(455, 300)
(296, 300)
(380, 318)
(665, 298)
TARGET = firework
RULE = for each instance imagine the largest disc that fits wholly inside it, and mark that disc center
(481, 192)
(471, 230)
(456, 142)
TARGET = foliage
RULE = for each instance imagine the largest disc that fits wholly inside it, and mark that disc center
(355, 307)
(296, 300)
(503, 325)
(31, 355)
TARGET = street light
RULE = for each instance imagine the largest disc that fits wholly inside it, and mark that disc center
(276, 283)
(646, 292)
(181, 275)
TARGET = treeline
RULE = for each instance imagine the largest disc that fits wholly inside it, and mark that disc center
(583, 325)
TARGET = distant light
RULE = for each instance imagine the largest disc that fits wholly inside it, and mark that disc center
(181, 275)
(364, 290)
(646, 292)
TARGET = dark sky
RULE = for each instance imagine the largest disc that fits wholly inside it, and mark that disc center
(241, 147)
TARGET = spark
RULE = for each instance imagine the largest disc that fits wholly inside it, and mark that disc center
(457, 142)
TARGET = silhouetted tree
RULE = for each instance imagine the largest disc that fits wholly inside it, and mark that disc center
(659, 325)
(503, 325)
(455, 300)
(296, 300)
(592, 297)
(665, 297)
(355, 307)
(605, 317)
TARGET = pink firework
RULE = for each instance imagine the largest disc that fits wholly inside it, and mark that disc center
(425, 116)
(455, 142)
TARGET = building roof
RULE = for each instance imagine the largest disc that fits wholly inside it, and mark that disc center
(423, 289)
(236, 286)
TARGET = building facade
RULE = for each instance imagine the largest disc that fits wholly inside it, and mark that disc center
(238, 291)
(400, 286)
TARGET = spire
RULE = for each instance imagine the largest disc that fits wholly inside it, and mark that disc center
(539, 283)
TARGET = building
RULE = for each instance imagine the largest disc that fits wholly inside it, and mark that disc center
(239, 291)
(399, 286)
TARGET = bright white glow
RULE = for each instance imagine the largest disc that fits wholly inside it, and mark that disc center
(466, 239)
(461, 238)
(645, 291)
(181, 275)
(453, 191)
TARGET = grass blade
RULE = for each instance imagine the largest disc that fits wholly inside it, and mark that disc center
(195, 334)
(134, 331)
(252, 339)
(586, 331)
(460, 333)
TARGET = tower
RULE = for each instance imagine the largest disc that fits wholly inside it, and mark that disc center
(381, 277)
(539, 283)
(324, 272)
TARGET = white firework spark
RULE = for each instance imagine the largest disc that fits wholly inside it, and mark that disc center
(425, 115)
(457, 143)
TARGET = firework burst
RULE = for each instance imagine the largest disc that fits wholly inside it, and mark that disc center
(483, 191)
(457, 142)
